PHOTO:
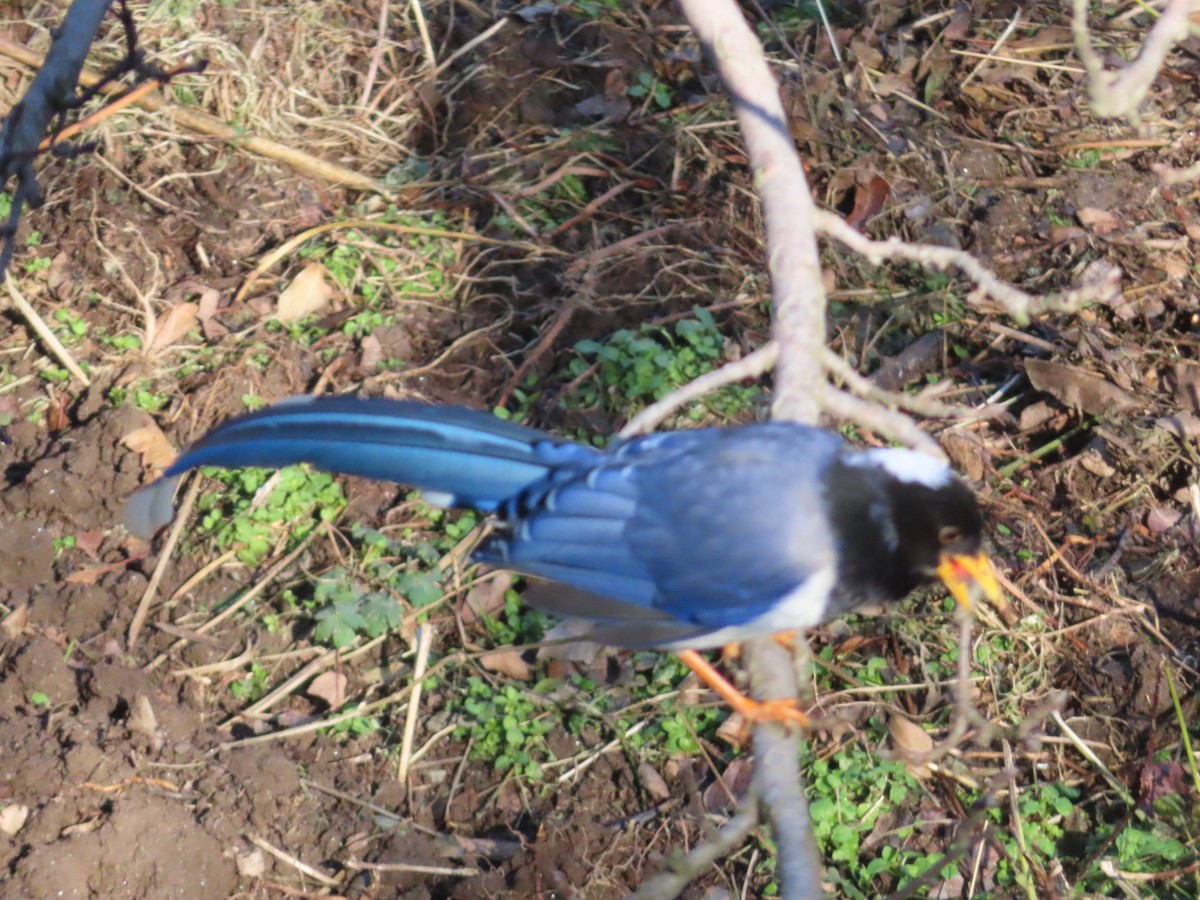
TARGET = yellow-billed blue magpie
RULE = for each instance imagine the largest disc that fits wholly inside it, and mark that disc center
(686, 539)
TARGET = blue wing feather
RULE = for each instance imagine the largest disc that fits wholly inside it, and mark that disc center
(470, 456)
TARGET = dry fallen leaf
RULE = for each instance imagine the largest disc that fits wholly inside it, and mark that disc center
(210, 299)
(12, 818)
(372, 353)
(1162, 518)
(308, 293)
(330, 687)
(89, 542)
(87, 575)
(507, 662)
(487, 597)
(152, 445)
(1182, 425)
(967, 451)
(14, 623)
(252, 864)
(735, 731)
(912, 741)
(1078, 388)
(734, 780)
(655, 784)
(1098, 221)
(175, 325)
(141, 717)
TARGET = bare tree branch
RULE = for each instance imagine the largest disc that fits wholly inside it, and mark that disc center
(1102, 287)
(1119, 93)
(749, 366)
(50, 94)
(798, 325)
(666, 885)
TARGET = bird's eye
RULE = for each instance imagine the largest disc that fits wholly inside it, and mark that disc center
(949, 534)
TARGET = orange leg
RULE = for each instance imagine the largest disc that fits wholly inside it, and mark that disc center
(785, 711)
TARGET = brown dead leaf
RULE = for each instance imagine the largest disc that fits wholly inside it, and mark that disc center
(1184, 426)
(1162, 518)
(175, 325)
(1078, 388)
(308, 293)
(57, 418)
(967, 451)
(330, 687)
(210, 300)
(868, 201)
(866, 53)
(372, 353)
(1097, 221)
(911, 740)
(89, 542)
(1092, 460)
(152, 445)
(61, 272)
(507, 662)
(909, 737)
(655, 784)
(88, 575)
(486, 598)
(1061, 234)
(14, 623)
(735, 731)
(1036, 415)
(735, 781)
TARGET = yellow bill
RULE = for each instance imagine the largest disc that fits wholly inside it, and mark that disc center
(966, 577)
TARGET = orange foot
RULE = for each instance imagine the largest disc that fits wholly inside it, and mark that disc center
(786, 711)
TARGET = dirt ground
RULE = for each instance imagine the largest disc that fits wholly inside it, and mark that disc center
(134, 765)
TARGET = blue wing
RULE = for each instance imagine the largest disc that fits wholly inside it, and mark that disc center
(699, 528)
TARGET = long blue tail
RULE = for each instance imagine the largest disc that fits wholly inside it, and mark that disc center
(459, 456)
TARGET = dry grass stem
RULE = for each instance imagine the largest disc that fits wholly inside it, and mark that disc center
(164, 559)
(42, 330)
(424, 643)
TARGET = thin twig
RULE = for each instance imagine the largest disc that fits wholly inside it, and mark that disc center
(424, 642)
(292, 861)
(886, 422)
(376, 57)
(798, 327)
(668, 885)
(1004, 36)
(752, 365)
(446, 871)
(1016, 303)
(164, 558)
(48, 337)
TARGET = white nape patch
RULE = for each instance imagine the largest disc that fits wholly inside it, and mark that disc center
(803, 607)
(440, 499)
(907, 465)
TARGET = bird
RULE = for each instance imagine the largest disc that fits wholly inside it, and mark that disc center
(678, 540)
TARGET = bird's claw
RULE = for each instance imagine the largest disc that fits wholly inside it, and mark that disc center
(784, 711)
